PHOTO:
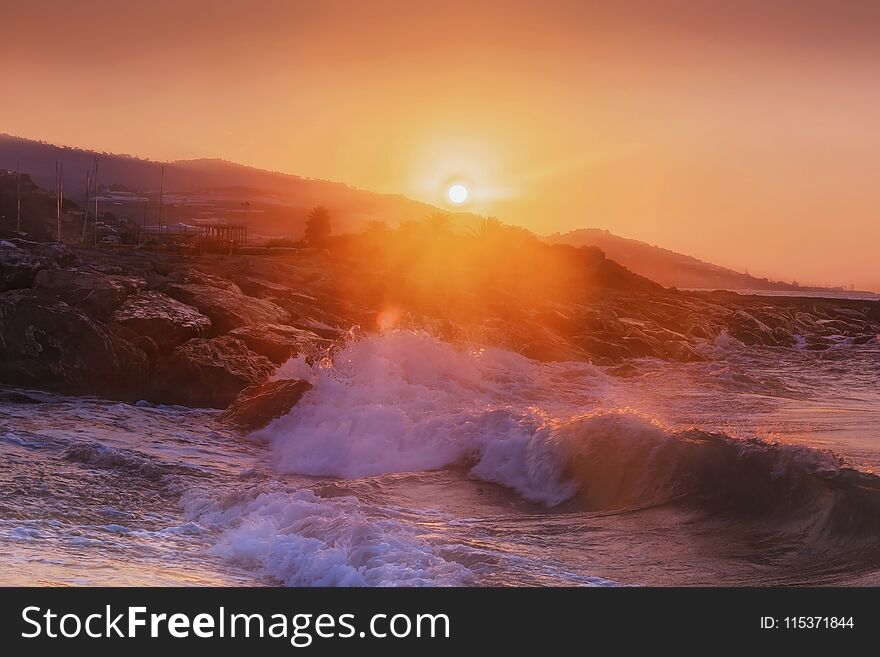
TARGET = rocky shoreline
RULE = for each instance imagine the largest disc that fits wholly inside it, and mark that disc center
(197, 331)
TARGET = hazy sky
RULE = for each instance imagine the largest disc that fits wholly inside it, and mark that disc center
(746, 133)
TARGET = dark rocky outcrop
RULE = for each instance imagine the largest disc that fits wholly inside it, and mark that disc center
(278, 342)
(257, 406)
(208, 372)
(48, 344)
(197, 330)
(94, 292)
(191, 276)
(163, 319)
(228, 308)
(21, 260)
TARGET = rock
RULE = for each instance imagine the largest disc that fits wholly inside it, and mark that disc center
(95, 293)
(749, 330)
(208, 372)
(20, 261)
(257, 406)
(196, 277)
(603, 349)
(319, 328)
(784, 337)
(142, 342)
(148, 346)
(227, 308)
(19, 397)
(165, 320)
(47, 344)
(278, 342)
(258, 287)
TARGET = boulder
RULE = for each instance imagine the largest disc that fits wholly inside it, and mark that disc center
(196, 277)
(208, 372)
(95, 293)
(262, 288)
(165, 320)
(45, 343)
(257, 406)
(278, 342)
(227, 308)
(20, 261)
(749, 330)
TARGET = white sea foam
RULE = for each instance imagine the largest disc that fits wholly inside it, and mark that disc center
(300, 539)
(404, 401)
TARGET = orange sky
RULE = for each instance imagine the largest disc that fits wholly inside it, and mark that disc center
(743, 135)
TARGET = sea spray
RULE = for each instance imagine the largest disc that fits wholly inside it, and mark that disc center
(404, 402)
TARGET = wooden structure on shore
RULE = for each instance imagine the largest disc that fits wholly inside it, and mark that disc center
(200, 237)
(223, 238)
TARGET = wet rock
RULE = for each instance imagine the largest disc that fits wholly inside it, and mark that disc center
(227, 308)
(257, 406)
(95, 293)
(21, 260)
(45, 343)
(163, 319)
(603, 349)
(208, 372)
(262, 288)
(749, 330)
(19, 397)
(783, 337)
(319, 328)
(278, 342)
(197, 277)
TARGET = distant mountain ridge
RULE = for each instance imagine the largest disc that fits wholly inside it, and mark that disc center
(210, 189)
(214, 189)
(666, 267)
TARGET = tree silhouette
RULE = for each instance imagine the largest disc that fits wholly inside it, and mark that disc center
(375, 228)
(487, 229)
(318, 226)
(438, 226)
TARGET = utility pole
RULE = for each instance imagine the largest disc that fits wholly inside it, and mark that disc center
(143, 223)
(60, 198)
(161, 193)
(96, 200)
(18, 201)
(86, 206)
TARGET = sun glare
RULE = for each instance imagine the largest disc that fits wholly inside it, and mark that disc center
(458, 194)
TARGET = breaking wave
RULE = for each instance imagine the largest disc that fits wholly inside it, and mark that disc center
(301, 539)
(555, 433)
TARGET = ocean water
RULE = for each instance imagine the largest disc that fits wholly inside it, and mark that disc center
(417, 462)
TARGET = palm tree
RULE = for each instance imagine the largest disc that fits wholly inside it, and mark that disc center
(375, 228)
(488, 228)
(438, 225)
(318, 226)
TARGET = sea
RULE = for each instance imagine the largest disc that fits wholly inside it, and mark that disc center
(416, 462)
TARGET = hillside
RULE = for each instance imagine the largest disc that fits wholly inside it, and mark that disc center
(667, 267)
(207, 189)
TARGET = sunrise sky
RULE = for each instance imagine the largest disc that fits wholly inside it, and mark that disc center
(745, 133)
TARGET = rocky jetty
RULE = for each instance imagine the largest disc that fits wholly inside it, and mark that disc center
(198, 330)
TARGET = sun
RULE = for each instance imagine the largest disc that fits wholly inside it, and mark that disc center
(457, 193)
